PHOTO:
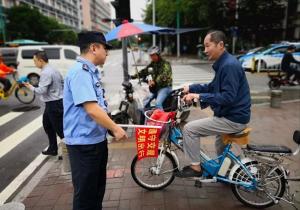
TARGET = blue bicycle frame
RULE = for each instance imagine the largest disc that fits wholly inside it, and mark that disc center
(211, 167)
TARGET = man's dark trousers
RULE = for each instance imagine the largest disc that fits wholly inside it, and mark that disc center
(53, 122)
(88, 166)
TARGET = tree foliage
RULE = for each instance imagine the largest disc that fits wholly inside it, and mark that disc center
(27, 23)
(259, 21)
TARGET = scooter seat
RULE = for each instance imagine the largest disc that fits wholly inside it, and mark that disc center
(269, 148)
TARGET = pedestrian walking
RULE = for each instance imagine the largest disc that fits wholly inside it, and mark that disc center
(50, 88)
(86, 122)
(229, 97)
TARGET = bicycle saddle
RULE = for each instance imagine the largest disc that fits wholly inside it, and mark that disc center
(241, 138)
(269, 148)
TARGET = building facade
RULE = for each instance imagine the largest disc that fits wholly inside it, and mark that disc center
(93, 11)
(78, 14)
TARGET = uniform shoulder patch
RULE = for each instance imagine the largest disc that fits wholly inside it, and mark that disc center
(85, 67)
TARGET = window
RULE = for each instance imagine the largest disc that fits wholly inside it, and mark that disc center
(28, 54)
(52, 53)
(70, 54)
(279, 50)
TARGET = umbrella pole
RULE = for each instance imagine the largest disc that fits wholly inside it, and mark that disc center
(125, 60)
(134, 61)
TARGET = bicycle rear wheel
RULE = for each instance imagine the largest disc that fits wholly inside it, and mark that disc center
(143, 171)
(24, 95)
(270, 185)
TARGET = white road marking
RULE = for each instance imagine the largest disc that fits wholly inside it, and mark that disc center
(8, 117)
(18, 181)
(20, 135)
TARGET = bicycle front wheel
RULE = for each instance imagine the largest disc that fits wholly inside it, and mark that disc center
(146, 173)
(24, 95)
(270, 185)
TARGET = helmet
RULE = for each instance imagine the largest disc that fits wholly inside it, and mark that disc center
(291, 47)
(153, 50)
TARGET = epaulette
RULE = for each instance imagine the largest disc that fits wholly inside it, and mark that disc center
(85, 67)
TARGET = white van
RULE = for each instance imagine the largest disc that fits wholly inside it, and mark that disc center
(61, 57)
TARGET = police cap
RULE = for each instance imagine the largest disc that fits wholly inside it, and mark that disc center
(88, 37)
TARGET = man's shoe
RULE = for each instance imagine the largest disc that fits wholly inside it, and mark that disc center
(49, 152)
(187, 172)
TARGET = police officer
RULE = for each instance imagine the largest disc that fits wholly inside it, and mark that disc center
(86, 122)
(160, 80)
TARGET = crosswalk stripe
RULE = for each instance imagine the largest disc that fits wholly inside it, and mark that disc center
(19, 180)
(17, 137)
(8, 117)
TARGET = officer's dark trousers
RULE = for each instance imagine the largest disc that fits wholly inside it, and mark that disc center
(88, 166)
(53, 122)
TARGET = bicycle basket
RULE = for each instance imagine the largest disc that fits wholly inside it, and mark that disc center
(160, 118)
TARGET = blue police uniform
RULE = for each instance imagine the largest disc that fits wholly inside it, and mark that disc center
(85, 139)
(82, 84)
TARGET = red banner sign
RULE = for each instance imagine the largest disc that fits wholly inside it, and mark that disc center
(147, 140)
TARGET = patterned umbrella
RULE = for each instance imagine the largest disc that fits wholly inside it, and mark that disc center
(129, 29)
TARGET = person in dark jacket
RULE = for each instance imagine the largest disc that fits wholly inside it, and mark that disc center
(286, 66)
(227, 94)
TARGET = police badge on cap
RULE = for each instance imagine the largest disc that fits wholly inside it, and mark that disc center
(88, 37)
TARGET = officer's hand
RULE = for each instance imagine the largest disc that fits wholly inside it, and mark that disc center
(186, 89)
(119, 134)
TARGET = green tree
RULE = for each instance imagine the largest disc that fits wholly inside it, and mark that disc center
(27, 23)
(259, 21)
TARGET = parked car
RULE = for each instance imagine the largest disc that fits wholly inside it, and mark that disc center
(60, 57)
(9, 55)
(247, 52)
(268, 57)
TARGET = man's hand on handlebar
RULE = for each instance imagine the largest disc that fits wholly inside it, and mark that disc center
(191, 97)
(186, 89)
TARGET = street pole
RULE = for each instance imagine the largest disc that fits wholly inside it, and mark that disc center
(235, 28)
(285, 21)
(125, 60)
(2, 24)
(178, 26)
(153, 22)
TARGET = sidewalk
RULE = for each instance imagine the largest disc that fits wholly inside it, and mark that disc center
(270, 126)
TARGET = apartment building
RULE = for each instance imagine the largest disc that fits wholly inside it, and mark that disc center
(78, 14)
(93, 11)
